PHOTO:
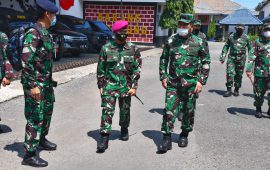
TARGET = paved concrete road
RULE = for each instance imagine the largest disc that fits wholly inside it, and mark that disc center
(226, 133)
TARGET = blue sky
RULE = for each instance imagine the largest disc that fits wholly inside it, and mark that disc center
(248, 3)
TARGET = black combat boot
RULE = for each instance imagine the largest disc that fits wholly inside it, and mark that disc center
(236, 91)
(183, 139)
(103, 144)
(31, 159)
(124, 134)
(258, 112)
(166, 144)
(228, 93)
(44, 144)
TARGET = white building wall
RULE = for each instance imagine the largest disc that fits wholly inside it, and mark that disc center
(266, 10)
(159, 30)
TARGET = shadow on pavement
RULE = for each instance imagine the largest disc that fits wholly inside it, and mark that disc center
(15, 147)
(157, 136)
(157, 110)
(219, 92)
(252, 95)
(245, 111)
(95, 135)
(5, 129)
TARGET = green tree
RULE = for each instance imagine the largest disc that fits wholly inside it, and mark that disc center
(188, 6)
(170, 15)
(212, 29)
(172, 11)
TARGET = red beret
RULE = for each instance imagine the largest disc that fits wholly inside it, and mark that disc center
(118, 25)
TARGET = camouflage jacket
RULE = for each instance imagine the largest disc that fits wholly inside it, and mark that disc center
(5, 66)
(202, 36)
(188, 61)
(238, 47)
(260, 54)
(118, 68)
(37, 59)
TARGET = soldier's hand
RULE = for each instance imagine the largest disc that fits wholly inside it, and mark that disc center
(101, 91)
(35, 93)
(198, 88)
(164, 83)
(132, 92)
(5, 82)
(249, 74)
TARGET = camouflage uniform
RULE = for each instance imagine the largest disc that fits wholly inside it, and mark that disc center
(118, 70)
(236, 59)
(5, 67)
(260, 55)
(37, 72)
(189, 63)
(200, 34)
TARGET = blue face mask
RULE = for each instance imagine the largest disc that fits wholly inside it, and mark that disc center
(53, 22)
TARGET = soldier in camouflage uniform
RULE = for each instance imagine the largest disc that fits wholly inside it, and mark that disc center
(237, 43)
(196, 31)
(5, 67)
(38, 84)
(260, 57)
(118, 72)
(188, 62)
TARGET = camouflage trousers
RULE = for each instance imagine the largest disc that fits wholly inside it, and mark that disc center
(234, 72)
(261, 85)
(38, 115)
(178, 99)
(108, 105)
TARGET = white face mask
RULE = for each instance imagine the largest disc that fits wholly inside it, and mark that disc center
(266, 34)
(182, 32)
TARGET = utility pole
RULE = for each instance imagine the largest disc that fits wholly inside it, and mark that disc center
(121, 8)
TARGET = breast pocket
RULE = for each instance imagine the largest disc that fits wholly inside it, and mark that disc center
(262, 51)
(193, 56)
(43, 55)
(128, 62)
(112, 60)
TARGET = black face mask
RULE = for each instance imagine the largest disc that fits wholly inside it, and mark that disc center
(196, 31)
(239, 31)
(121, 37)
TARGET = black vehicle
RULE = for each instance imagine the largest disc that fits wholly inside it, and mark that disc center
(96, 39)
(99, 26)
(68, 41)
(11, 19)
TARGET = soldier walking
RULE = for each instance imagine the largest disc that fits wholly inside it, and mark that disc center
(118, 72)
(38, 84)
(6, 72)
(188, 62)
(260, 57)
(196, 31)
(237, 43)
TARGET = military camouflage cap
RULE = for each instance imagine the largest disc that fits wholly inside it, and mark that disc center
(266, 25)
(197, 23)
(186, 18)
(240, 26)
(3, 38)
